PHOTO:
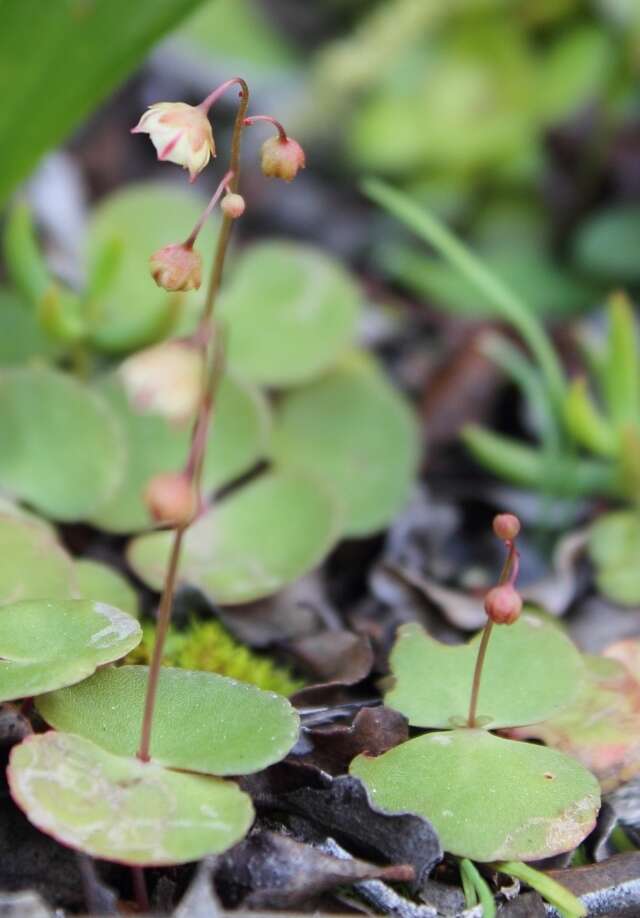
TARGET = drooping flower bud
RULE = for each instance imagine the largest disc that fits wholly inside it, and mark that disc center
(180, 133)
(282, 158)
(506, 526)
(176, 267)
(232, 205)
(165, 379)
(503, 604)
(171, 499)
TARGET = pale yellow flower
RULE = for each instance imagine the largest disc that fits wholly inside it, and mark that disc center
(180, 133)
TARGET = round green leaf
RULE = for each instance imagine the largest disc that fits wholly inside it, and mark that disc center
(121, 809)
(21, 337)
(489, 799)
(354, 431)
(531, 672)
(202, 722)
(607, 245)
(47, 644)
(250, 544)
(133, 310)
(32, 563)
(236, 441)
(100, 582)
(291, 312)
(614, 547)
(62, 448)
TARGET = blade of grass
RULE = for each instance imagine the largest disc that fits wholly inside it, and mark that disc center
(567, 904)
(480, 886)
(509, 305)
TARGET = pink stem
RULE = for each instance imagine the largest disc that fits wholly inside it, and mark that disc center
(270, 120)
(213, 97)
(224, 185)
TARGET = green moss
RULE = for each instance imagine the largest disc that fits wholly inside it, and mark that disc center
(208, 646)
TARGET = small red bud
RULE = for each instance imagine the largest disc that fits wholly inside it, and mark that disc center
(506, 526)
(232, 205)
(503, 604)
(176, 268)
(282, 158)
(171, 499)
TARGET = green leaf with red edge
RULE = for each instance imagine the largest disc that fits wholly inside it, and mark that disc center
(601, 728)
(46, 644)
(531, 671)
(202, 722)
(488, 798)
(121, 809)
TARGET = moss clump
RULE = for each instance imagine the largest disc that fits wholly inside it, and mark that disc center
(208, 646)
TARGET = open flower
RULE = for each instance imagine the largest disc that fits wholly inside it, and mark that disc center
(164, 379)
(180, 133)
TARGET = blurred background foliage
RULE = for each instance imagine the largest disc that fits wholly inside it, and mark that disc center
(515, 122)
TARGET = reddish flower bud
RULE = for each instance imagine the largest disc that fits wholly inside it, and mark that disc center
(176, 268)
(232, 205)
(503, 604)
(506, 526)
(282, 158)
(171, 499)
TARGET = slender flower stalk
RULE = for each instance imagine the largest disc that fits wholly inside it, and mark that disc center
(217, 194)
(219, 91)
(285, 162)
(211, 345)
(282, 134)
(507, 579)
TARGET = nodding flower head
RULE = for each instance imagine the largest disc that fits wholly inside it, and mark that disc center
(176, 267)
(282, 158)
(180, 133)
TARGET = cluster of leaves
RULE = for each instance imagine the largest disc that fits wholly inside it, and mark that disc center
(340, 443)
(333, 455)
(599, 416)
(490, 799)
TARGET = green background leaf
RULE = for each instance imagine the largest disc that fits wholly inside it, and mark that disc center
(353, 431)
(62, 449)
(614, 547)
(291, 312)
(137, 220)
(33, 564)
(237, 439)
(102, 583)
(263, 535)
(60, 59)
